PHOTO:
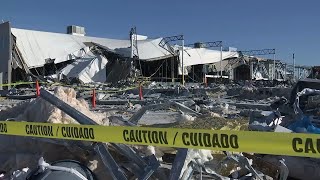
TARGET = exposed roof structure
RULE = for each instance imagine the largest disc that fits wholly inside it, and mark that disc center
(37, 46)
(88, 69)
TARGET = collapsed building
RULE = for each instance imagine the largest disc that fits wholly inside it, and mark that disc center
(28, 54)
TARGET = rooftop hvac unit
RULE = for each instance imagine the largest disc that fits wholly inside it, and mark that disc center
(199, 45)
(230, 49)
(76, 30)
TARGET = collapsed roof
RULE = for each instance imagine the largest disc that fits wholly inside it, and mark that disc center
(195, 56)
(37, 46)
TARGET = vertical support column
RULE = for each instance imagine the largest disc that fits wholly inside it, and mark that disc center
(172, 69)
(193, 73)
(274, 67)
(166, 71)
(294, 64)
(1, 80)
(9, 75)
(285, 72)
(131, 43)
(182, 63)
(251, 69)
(221, 60)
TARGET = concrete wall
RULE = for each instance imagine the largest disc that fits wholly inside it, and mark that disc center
(5, 53)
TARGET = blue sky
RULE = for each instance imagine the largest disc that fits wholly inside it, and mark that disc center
(288, 26)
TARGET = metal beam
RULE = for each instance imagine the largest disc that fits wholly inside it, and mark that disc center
(178, 164)
(100, 148)
(78, 116)
(164, 43)
(257, 52)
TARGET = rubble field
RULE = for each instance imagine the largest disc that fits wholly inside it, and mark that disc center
(242, 106)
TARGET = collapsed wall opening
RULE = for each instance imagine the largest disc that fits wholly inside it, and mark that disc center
(164, 70)
(242, 72)
(196, 73)
(117, 70)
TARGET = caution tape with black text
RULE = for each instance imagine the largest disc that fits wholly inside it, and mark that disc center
(292, 144)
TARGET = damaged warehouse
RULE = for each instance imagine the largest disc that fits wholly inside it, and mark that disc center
(32, 54)
(39, 54)
(150, 83)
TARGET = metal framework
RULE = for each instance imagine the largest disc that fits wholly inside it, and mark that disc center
(298, 72)
(256, 66)
(208, 44)
(134, 43)
(165, 41)
(257, 52)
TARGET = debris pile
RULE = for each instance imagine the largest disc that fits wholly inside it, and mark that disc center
(20, 152)
(219, 107)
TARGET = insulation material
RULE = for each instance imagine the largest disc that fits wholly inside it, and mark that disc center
(87, 69)
(41, 111)
(17, 152)
(198, 156)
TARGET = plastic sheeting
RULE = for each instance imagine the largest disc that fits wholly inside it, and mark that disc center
(89, 69)
(304, 123)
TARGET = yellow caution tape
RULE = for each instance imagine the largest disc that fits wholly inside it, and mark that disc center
(292, 144)
(75, 87)
(16, 83)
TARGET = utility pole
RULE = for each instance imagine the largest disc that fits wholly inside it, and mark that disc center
(131, 42)
(274, 66)
(294, 64)
(221, 61)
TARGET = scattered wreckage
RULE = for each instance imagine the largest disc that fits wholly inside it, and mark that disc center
(162, 106)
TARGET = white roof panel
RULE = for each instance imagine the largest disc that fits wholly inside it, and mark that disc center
(194, 56)
(36, 46)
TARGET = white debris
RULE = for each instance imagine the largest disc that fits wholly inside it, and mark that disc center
(17, 152)
(41, 111)
(20, 174)
(137, 107)
(185, 117)
(198, 156)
